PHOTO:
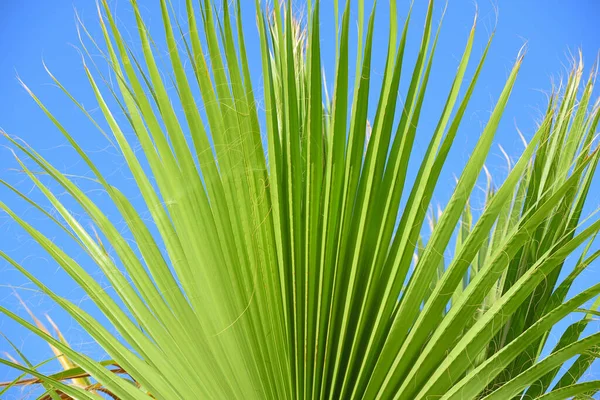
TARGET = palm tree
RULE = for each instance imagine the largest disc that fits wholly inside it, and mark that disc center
(298, 267)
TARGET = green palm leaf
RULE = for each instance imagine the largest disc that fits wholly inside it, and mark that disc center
(298, 268)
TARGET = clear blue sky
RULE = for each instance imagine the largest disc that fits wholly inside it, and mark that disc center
(32, 31)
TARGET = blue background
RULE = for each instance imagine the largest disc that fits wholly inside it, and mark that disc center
(32, 31)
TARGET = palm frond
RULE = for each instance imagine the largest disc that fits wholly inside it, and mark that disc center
(303, 266)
